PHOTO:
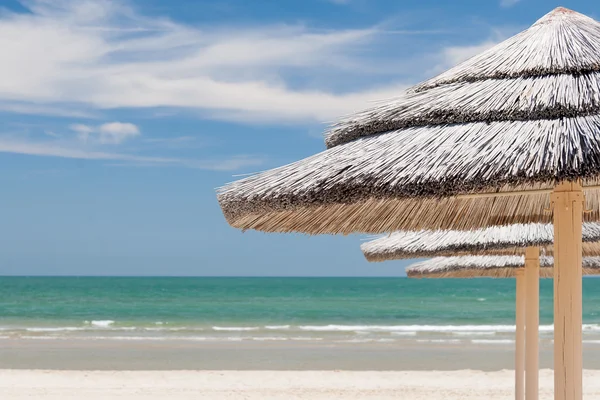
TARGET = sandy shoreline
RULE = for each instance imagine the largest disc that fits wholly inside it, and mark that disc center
(271, 385)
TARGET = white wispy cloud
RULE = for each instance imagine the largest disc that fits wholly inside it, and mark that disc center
(26, 146)
(108, 133)
(100, 54)
(31, 108)
(508, 3)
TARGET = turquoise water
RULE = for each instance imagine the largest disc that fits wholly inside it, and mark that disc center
(360, 309)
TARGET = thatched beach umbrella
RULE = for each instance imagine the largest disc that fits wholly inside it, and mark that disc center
(518, 239)
(488, 266)
(510, 136)
(495, 240)
(527, 314)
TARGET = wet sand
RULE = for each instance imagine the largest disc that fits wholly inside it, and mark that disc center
(190, 355)
(276, 356)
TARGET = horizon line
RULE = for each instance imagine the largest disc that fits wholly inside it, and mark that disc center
(196, 276)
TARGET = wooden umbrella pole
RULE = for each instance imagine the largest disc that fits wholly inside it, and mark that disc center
(520, 335)
(532, 322)
(568, 201)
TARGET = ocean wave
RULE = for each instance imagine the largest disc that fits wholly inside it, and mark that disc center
(74, 329)
(306, 339)
(59, 329)
(101, 323)
(590, 330)
(474, 333)
(413, 329)
(118, 338)
(149, 338)
(492, 341)
(235, 328)
(438, 341)
(170, 329)
(366, 341)
(591, 327)
(408, 328)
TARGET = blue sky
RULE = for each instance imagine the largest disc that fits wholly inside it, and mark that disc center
(119, 119)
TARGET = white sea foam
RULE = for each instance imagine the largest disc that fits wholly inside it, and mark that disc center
(438, 341)
(591, 327)
(235, 328)
(91, 327)
(43, 337)
(270, 339)
(59, 329)
(467, 329)
(125, 338)
(476, 333)
(408, 328)
(591, 331)
(366, 341)
(101, 323)
(149, 338)
(172, 329)
(497, 341)
(408, 333)
(306, 339)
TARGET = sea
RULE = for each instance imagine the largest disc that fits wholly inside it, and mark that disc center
(273, 313)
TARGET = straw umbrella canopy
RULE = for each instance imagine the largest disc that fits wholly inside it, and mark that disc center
(516, 119)
(496, 240)
(511, 135)
(488, 266)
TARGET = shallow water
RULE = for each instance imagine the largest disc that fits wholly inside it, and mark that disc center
(339, 310)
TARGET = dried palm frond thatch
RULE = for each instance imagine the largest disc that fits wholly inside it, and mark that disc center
(545, 72)
(497, 240)
(521, 116)
(488, 266)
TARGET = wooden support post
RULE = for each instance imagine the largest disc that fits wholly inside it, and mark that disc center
(520, 336)
(532, 322)
(568, 201)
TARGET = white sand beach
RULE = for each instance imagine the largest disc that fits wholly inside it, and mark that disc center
(270, 385)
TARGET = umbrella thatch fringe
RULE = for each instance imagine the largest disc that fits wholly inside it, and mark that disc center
(488, 266)
(394, 180)
(498, 240)
(517, 99)
(389, 215)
